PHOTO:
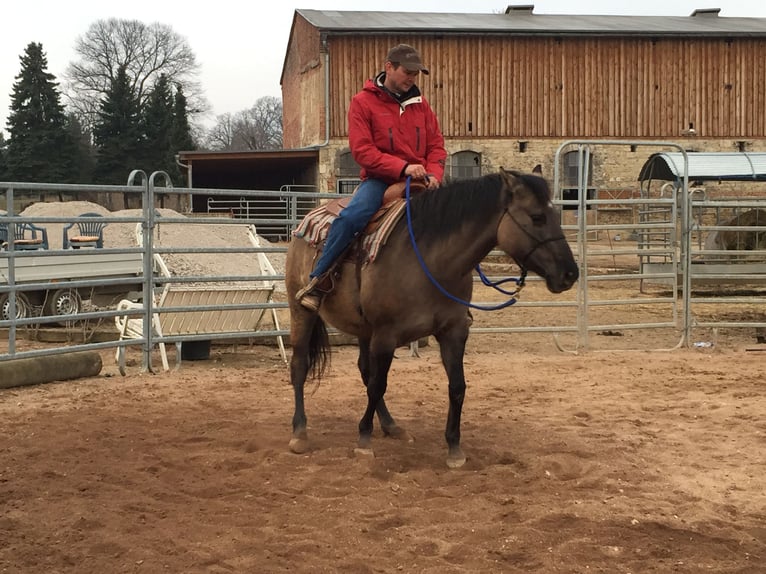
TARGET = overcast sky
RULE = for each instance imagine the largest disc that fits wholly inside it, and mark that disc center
(240, 46)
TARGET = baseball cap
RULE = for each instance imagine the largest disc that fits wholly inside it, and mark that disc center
(407, 56)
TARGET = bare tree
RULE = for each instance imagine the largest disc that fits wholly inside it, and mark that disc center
(257, 128)
(260, 127)
(146, 51)
(221, 136)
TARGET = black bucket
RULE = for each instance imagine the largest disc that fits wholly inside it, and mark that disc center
(195, 350)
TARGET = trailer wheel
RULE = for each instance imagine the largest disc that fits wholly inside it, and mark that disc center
(22, 306)
(63, 302)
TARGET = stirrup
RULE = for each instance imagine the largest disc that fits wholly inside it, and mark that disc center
(311, 295)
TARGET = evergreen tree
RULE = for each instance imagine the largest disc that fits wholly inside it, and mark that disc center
(84, 153)
(40, 147)
(2, 158)
(181, 138)
(157, 125)
(117, 133)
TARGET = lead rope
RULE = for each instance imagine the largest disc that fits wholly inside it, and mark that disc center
(432, 279)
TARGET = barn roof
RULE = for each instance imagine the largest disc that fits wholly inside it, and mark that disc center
(705, 166)
(521, 20)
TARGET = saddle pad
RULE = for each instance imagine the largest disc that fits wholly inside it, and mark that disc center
(316, 224)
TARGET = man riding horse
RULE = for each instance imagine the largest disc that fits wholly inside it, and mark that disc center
(393, 133)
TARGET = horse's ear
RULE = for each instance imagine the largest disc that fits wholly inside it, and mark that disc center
(509, 176)
(510, 172)
(538, 169)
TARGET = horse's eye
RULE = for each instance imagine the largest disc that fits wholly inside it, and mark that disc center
(538, 220)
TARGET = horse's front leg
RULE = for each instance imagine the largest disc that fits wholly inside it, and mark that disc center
(379, 364)
(387, 423)
(452, 347)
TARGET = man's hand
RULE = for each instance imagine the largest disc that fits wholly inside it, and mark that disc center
(417, 171)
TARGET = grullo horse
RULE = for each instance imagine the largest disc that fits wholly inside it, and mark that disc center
(417, 286)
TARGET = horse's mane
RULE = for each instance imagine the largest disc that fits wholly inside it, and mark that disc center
(438, 213)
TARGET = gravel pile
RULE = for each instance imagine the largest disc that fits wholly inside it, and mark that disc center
(169, 235)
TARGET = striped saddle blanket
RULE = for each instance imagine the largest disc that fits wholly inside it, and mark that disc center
(316, 224)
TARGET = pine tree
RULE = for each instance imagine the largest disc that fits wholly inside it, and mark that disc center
(2, 158)
(117, 133)
(84, 153)
(181, 138)
(157, 124)
(39, 146)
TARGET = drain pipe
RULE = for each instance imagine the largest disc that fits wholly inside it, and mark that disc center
(326, 52)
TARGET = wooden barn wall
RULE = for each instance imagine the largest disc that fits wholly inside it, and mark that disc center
(303, 87)
(489, 87)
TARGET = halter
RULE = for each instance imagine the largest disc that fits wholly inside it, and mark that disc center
(537, 242)
(484, 279)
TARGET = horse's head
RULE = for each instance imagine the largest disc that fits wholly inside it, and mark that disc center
(530, 231)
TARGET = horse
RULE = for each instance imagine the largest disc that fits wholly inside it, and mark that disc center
(391, 301)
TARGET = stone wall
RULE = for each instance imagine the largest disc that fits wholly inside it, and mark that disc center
(615, 167)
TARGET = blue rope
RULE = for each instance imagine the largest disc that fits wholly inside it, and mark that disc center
(496, 284)
(519, 282)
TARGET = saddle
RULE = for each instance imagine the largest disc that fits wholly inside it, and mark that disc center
(316, 223)
(393, 192)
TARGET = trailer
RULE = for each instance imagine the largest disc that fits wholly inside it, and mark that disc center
(51, 285)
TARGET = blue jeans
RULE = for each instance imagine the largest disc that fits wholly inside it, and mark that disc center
(367, 199)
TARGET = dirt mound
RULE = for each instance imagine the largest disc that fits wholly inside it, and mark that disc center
(167, 235)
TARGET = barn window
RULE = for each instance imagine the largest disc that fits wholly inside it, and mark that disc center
(464, 164)
(570, 184)
(571, 169)
(348, 173)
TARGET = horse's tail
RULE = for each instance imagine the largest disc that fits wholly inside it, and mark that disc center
(319, 349)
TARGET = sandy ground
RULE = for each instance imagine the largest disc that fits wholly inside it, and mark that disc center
(601, 462)
(611, 460)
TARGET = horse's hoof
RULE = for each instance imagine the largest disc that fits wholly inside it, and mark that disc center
(398, 433)
(455, 458)
(364, 453)
(299, 445)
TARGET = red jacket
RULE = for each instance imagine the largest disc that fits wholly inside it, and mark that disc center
(385, 135)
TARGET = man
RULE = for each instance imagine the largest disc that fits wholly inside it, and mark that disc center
(393, 133)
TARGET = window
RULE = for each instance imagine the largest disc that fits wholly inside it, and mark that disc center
(464, 164)
(570, 185)
(348, 173)
(571, 169)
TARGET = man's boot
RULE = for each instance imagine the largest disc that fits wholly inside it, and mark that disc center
(310, 297)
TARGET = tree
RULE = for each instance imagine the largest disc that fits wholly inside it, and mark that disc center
(117, 133)
(143, 52)
(2, 158)
(84, 160)
(40, 147)
(221, 136)
(258, 128)
(180, 138)
(157, 125)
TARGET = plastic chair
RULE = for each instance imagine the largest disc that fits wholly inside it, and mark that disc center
(26, 236)
(91, 233)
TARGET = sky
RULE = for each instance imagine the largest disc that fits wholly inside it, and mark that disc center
(241, 46)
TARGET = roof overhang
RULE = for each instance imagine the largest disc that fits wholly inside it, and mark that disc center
(249, 169)
(705, 166)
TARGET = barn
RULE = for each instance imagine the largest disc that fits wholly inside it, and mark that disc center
(510, 87)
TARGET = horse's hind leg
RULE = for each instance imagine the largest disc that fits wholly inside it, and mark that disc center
(387, 423)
